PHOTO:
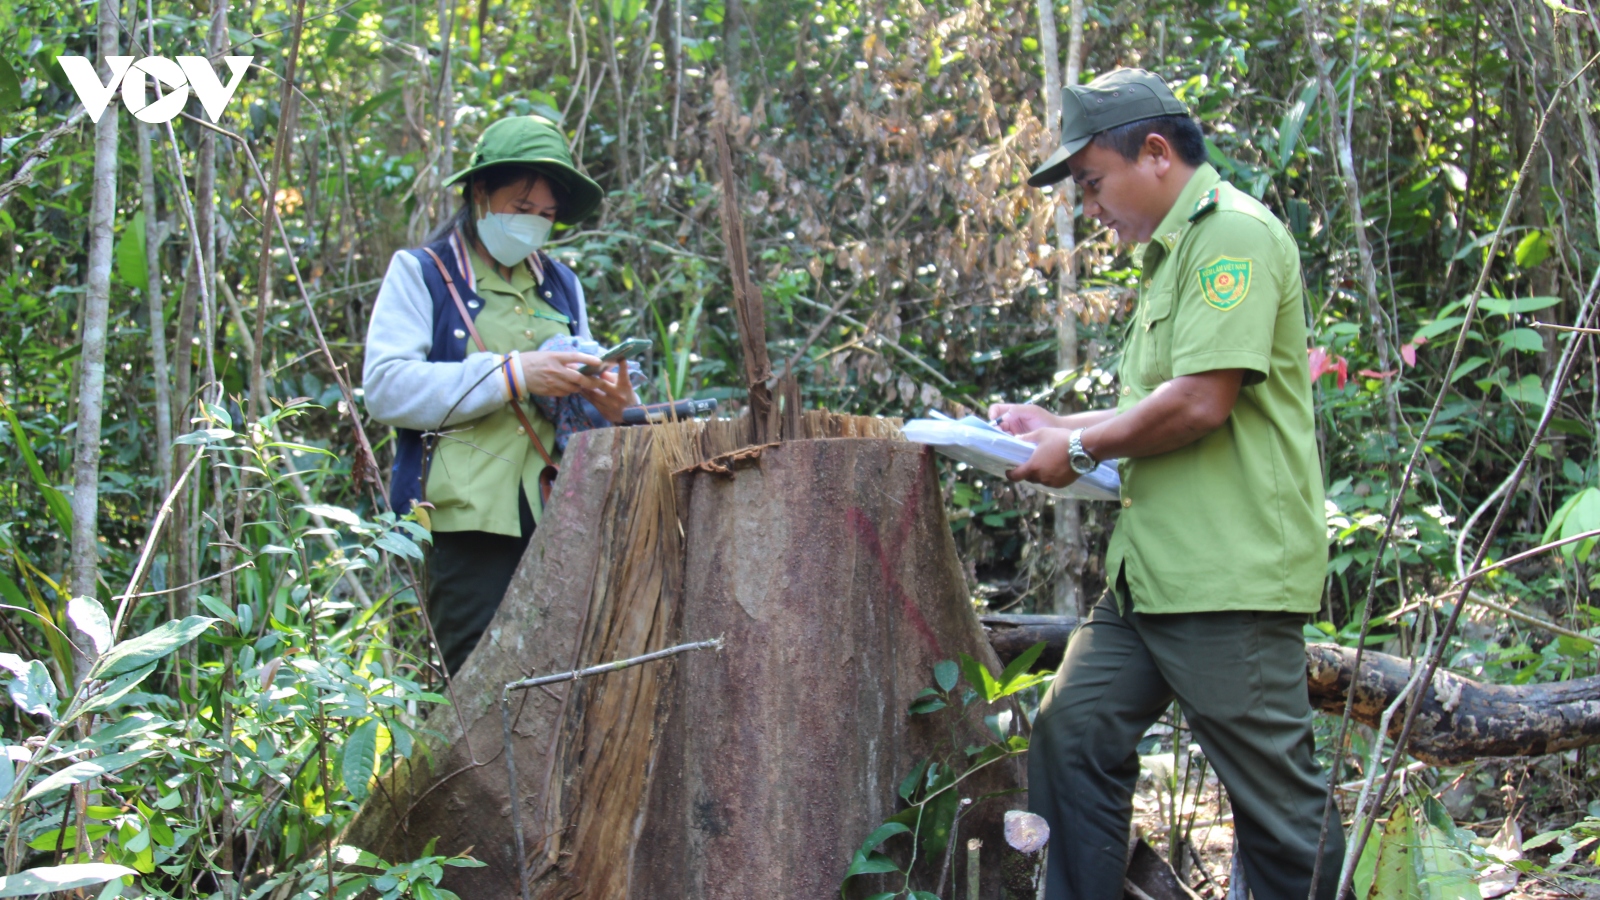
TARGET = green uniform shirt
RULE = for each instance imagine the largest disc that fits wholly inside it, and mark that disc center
(1234, 521)
(477, 467)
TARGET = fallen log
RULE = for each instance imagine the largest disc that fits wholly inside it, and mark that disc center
(1460, 719)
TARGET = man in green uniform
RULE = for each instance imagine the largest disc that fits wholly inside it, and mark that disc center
(1220, 548)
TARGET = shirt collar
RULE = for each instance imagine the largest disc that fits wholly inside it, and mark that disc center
(1205, 178)
(488, 278)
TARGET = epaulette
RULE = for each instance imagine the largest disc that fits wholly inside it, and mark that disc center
(1204, 205)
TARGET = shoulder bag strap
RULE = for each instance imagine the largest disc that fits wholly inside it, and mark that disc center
(461, 307)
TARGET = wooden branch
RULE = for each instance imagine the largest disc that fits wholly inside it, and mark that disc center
(1459, 720)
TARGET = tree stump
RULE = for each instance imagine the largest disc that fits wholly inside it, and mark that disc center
(828, 566)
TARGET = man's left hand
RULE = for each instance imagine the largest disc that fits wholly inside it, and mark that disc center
(1049, 465)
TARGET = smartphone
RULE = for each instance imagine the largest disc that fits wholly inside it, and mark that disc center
(629, 347)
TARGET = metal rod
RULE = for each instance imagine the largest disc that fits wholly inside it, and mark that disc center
(576, 674)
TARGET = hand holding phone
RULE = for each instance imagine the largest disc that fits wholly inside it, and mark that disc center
(629, 347)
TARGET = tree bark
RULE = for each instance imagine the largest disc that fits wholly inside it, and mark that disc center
(1460, 719)
(1070, 553)
(749, 308)
(156, 307)
(828, 567)
(92, 368)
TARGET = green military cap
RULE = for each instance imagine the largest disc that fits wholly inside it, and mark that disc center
(1115, 98)
(535, 142)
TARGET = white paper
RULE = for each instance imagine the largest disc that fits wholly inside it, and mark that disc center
(984, 447)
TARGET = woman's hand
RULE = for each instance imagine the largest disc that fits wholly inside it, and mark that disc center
(554, 373)
(615, 394)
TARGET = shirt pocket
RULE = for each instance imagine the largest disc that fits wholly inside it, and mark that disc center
(1155, 337)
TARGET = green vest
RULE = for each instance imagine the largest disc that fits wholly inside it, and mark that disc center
(477, 467)
(1236, 520)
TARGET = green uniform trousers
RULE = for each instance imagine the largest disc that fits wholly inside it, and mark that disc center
(1240, 679)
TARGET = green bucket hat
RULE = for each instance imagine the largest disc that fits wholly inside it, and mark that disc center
(538, 143)
(1115, 98)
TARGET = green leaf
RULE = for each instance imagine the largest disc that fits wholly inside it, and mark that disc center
(979, 677)
(360, 752)
(1394, 875)
(945, 674)
(879, 835)
(204, 436)
(147, 648)
(1519, 305)
(69, 841)
(1525, 339)
(91, 619)
(10, 87)
(60, 508)
(35, 692)
(871, 864)
(60, 878)
(399, 545)
(131, 260)
(929, 705)
(116, 690)
(78, 773)
(999, 723)
(1019, 668)
(355, 856)
(908, 786)
(1527, 390)
(220, 609)
(1437, 327)
(1467, 367)
(1532, 249)
(939, 814)
(336, 513)
(1293, 121)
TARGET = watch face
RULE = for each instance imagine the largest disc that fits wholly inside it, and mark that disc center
(1082, 463)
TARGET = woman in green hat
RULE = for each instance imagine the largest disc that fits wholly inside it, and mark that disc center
(459, 360)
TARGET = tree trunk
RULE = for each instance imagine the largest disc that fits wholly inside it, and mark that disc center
(156, 307)
(1070, 553)
(829, 568)
(92, 369)
(1460, 719)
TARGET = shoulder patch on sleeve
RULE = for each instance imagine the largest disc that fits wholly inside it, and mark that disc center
(1205, 204)
(1225, 282)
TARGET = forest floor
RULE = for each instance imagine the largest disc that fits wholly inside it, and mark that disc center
(1212, 837)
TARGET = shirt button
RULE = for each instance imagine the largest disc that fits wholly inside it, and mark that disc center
(1126, 502)
(517, 310)
(547, 295)
(473, 304)
(459, 333)
(528, 334)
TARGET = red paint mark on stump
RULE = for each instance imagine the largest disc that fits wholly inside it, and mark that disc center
(887, 559)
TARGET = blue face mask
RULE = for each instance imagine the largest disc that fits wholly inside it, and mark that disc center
(512, 237)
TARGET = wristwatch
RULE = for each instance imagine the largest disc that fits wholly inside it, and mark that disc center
(1081, 461)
